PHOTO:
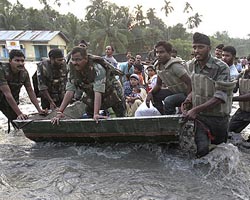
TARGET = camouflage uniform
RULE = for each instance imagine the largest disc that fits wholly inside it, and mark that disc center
(54, 80)
(241, 118)
(214, 70)
(98, 77)
(170, 74)
(15, 82)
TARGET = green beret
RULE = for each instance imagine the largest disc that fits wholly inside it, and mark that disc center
(201, 39)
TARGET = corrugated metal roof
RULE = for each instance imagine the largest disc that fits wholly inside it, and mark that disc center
(37, 36)
(9, 35)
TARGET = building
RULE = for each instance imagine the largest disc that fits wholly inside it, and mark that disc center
(34, 44)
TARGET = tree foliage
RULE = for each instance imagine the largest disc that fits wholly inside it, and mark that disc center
(106, 23)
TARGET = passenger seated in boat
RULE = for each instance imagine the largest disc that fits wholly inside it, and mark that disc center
(143, 110)
(96, 78)
(174, 75)
(133, 103)
(130, 100)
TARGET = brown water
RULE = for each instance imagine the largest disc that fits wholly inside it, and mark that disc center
(45, 171)
(31, 170)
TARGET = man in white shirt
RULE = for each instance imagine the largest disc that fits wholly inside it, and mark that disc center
(228, 56)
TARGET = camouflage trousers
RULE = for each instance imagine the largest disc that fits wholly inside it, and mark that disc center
(114, 99)
(239, 121)
(8, 112)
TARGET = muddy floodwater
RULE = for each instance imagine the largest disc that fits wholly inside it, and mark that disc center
(45, 171)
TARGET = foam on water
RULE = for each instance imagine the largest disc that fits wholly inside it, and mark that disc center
(225, 157)
(48, 170)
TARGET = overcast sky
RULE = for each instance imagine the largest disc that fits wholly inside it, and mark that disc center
(217, 15)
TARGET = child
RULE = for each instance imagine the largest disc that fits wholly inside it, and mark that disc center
(138, 71)
(136, 94)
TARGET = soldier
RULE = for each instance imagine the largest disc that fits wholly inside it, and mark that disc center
(13, 76)
(211, 96)
(240, 119)
(52, 78)
(96, 78)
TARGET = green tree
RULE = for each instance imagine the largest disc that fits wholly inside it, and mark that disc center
(106, 29)
(167, 8)
(178, 31)
(194, 21)
(95, 7)
(139, 17)
(151, 15)
(187, 8)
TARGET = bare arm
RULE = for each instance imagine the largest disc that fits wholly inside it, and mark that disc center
(33, 98)
(192, 114)
(244, 97)
(97, 106)
(66, 100)
(47, 96)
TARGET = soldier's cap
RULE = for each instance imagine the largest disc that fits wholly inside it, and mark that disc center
(199, 38)
(135, 76)
(55, 53)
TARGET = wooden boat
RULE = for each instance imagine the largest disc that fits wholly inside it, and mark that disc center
(128, 129)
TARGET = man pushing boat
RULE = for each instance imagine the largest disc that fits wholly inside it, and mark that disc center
(96, 78)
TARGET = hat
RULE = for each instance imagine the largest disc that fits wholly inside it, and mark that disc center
(201, 38)
(134, 76)
(55, 53)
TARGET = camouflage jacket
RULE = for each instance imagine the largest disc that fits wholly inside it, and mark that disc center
(52, 78)
(14, 81)
(215, 70)
(99, 76)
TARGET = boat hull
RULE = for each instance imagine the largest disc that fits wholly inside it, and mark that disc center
(130, 129)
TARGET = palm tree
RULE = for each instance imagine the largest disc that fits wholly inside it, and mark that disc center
(167, 8)
(151, 15)
(92, 10)
(139, 18)
(10, 19)
(125, 17)
(106, 29)
(194, 21)
(187, 8)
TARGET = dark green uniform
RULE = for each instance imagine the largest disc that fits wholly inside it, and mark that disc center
(204, 86)
(98, 77)
(15, 82)
(53, 79)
